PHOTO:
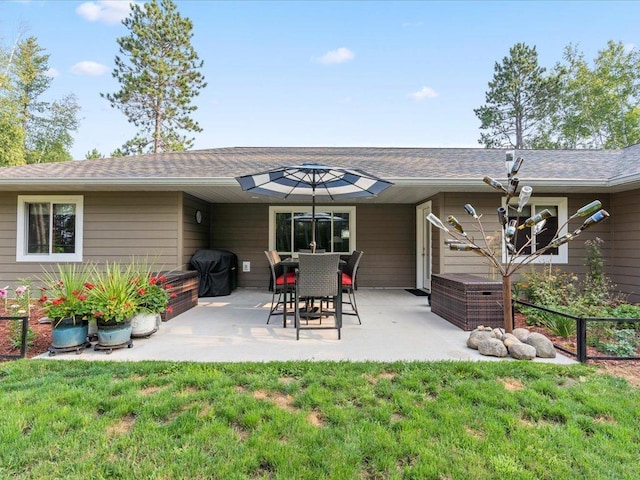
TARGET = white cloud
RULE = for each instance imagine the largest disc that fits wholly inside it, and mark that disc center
(339, 55)
(52, 72)
(425, 92)
(93, 69)
(106, 11)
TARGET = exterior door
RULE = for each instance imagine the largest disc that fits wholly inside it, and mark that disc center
(423, 246)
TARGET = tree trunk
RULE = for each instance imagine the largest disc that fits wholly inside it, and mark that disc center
(506, 298)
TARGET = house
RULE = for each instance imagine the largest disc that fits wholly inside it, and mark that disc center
(168, 205)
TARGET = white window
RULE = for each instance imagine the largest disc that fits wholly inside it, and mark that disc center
(531, 239)
(290, 228)
(49, 228)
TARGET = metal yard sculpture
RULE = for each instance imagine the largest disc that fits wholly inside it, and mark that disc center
(519, 248)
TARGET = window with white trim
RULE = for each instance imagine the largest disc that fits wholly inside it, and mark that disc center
(49, 228)
(290, 228)
(530, 239)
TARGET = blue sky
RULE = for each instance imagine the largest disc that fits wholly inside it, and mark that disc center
(320, 73)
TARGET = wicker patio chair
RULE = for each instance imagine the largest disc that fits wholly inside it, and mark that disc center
(318, 276)
(349, 284)
(279, 289)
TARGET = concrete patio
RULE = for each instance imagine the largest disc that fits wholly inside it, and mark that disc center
(396, 325)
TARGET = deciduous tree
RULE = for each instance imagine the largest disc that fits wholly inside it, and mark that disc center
(597, 106)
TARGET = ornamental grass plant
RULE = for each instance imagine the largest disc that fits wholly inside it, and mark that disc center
(113, 298)
(65, 292)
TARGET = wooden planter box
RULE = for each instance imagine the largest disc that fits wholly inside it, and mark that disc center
(467, 300)
(185, 286)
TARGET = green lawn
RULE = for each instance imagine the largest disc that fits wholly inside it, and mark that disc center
(296, 420)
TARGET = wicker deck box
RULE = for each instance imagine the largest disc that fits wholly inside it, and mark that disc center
(185, 286)
(467, 300)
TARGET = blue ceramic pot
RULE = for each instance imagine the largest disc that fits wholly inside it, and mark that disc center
(68, 335)
(115, 334)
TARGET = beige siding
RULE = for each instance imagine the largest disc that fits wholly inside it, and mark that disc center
(386, 233)
(116, 227)
(194, 236)
(624, 255)
(244, 230)
(387, 236)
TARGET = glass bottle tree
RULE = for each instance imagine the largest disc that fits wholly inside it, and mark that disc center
(518, 248)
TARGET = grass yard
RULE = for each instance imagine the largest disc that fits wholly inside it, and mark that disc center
(294, 420)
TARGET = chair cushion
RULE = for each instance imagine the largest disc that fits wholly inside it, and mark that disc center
(346, 279)
(291, 279)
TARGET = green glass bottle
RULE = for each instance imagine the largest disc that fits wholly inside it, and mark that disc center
(531, 221)
(453, 221)
(494, 184)
(588, 209)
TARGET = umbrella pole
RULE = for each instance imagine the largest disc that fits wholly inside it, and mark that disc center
(313, 222)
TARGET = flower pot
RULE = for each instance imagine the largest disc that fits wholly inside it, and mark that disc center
(113, 334)
(69, 334)
(144, 324)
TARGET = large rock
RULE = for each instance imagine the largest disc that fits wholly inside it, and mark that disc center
(522, 351)
(521, 334)
(510, 339)
(492, 347)
(544, 347)
(478, 336)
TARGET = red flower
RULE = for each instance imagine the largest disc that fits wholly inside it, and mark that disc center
(98, 314)
(174, 295)
(153, 280)
(42, 299)
(168, 286)
(162, 278)
(82, 298)
(142, 291)
(169, 309)
(89, 286)
(58, 301)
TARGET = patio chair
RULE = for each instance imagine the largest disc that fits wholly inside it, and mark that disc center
(318, 276)
(279, 288)
(349, 283)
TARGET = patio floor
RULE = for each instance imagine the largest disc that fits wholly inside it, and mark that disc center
(396, 325)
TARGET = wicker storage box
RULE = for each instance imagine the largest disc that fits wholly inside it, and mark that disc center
(185, 286)
(466, 300)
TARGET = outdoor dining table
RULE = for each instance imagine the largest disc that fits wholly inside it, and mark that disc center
(290, 264)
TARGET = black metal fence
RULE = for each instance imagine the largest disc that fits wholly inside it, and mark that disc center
(581, 332)
(23, 337)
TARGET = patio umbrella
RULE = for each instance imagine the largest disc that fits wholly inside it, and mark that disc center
(313, 180)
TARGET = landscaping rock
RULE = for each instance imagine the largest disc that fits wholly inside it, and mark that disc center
(522, 351)
(544, 347)
(498, 333)
(477, 336)
(492, 347)
(510, 339)
(521, 334)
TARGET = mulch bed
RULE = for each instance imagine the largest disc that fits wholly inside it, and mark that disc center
(40, 343)
(627, 369)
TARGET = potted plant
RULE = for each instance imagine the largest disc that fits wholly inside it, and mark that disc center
(64, 299)
(113, 302)
(152, 297)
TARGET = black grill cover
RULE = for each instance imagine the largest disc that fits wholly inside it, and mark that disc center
(218, 271)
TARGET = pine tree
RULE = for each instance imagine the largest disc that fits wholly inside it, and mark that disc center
(517, 101)
(157, 69)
